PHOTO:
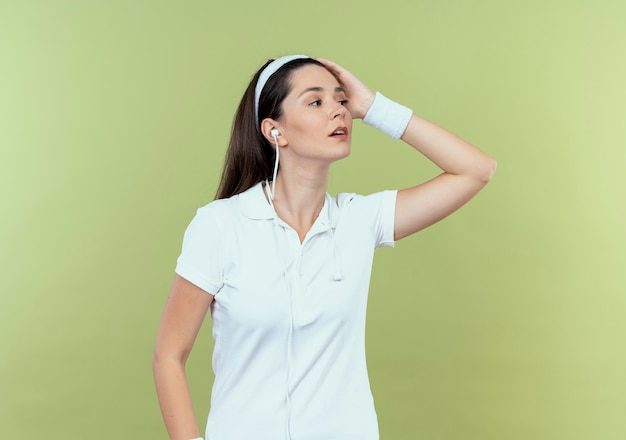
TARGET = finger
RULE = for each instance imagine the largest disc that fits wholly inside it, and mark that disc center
(333, 67)
(325, 62)
(360, 96)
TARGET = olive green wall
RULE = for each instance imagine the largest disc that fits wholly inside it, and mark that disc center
(505, 321)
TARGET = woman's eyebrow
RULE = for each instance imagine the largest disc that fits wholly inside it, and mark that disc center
(338, 89)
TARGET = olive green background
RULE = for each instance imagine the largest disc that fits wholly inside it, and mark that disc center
(505, 321)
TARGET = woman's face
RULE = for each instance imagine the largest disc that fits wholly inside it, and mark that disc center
(315, 122)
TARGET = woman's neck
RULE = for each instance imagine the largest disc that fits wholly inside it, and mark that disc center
(299, 198)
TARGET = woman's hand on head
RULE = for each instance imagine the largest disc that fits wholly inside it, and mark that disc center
(360, 97)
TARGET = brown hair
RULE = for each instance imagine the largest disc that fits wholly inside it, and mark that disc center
(250, 157)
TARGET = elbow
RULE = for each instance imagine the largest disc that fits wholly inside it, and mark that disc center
(166, 366)
(487, 170)
(162, 359)
(155, 359)
(156, 362)
(493, 165)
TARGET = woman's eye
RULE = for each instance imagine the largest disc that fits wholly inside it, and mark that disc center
(316, 103)
(343, 101)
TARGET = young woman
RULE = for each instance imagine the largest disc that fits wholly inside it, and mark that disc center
(284, 268)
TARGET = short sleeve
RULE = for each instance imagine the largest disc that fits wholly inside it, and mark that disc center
(377, 210)
(200, 261)
(385, 219)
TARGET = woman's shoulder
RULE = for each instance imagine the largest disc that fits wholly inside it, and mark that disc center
(218, 205)
(350, 200)
(213, 212)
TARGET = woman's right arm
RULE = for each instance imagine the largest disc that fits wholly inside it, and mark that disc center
(182, 318)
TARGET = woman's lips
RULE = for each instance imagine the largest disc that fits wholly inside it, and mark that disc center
(340, 132)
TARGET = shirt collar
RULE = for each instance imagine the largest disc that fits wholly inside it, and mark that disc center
(255, 206)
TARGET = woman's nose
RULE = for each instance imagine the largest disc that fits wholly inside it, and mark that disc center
(340, 110)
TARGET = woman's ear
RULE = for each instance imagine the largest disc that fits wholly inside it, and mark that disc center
(271, 132)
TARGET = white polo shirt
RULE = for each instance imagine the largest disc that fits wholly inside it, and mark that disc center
(288, 317)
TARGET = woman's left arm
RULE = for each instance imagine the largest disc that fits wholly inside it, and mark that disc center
(466, 169)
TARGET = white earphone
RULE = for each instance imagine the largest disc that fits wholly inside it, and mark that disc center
(275, 133)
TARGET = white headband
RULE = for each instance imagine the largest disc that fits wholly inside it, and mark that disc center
(265, 75)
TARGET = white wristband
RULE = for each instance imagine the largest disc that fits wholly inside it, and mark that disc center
(388, 116)
(197, 438)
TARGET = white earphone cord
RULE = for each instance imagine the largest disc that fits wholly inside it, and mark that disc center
(273, 190)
